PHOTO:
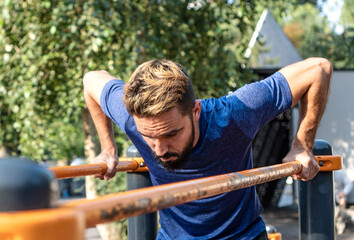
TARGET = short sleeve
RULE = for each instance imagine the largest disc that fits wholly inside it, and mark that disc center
(257, 103)
(112, 105)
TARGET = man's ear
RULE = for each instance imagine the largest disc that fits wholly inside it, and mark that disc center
(197, 110)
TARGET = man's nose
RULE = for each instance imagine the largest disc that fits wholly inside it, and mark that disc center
(160, 147)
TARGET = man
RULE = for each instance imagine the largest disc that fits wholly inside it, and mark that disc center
(182, 138)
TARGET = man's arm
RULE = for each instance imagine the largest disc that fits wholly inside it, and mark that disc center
(309, 82)
(93, 85)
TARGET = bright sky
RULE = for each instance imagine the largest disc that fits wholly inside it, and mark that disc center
(332, 10)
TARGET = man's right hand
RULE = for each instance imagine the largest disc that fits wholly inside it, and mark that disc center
(111, 159)
(94, 82)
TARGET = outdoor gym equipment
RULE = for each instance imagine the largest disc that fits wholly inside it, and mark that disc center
(74, 217)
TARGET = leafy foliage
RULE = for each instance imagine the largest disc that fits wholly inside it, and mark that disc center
(312, 36)
(347, 15)
(305, 24)
(49, 45)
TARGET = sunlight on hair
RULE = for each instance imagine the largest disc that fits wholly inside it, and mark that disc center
(156, 87)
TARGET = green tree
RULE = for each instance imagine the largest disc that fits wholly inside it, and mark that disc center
(304, 26)
(311, 34)
(49, 45)
(347, 14)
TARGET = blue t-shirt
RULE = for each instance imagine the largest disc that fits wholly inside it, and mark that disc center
(227, 127)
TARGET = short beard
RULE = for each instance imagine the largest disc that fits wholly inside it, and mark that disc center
(181, 158)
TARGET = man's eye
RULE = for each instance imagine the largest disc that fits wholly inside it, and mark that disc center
(172, 135)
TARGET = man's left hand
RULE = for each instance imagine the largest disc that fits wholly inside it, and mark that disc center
(309, 165)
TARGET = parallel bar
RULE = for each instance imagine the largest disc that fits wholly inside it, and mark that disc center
(79, 170)
(327, 163)
(141, 201)
(92, 169)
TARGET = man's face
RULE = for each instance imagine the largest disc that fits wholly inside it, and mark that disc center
(171, 136)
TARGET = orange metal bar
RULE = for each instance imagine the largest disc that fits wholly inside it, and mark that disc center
(79, 170)
(44, 224)
(141, 201)
(274, 236)
(141, 166)
(329, 163)
(125, 164)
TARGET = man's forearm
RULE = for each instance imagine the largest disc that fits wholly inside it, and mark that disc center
(309, 82)
(94, 83)
(312, 106)
(102, 123)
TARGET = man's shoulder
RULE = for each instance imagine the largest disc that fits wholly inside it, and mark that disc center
(113, 83)
(112, 89)
(111, 101)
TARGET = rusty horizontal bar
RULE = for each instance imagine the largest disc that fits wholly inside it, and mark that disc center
(327, 163)
(125, 164)
(79, 170)
(141, 201)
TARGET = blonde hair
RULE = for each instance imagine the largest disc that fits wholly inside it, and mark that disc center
(156, 87)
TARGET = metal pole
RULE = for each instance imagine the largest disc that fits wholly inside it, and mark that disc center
(25, 185)
(147, 200)
(316, 199)
(91, 169)
(143, 227)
